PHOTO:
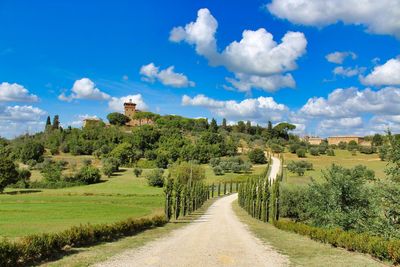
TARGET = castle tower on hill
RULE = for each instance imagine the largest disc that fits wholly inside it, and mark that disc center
(130, 109)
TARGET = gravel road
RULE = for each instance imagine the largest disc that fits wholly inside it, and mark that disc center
(217, 238)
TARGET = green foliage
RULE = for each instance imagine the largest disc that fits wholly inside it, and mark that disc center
(126, 154)
(31, 150)
(110, 165)
(23, 178)
(218, 170)
(383, 152)
(51, 171)
(35, 248)
(116, 118)
(155, 178)
(314, 151)
(293, 203)
(230, 164)
(185, 172)
(343, 199)
(378, 247)
(276, 148)
(8, 173)
(88, 175)
(301, 152)
(137, 171)
(299, 167)
(377, 140)
(352, 145)
(330, 152)
(342, 145)
(366, 150)
(257, 156)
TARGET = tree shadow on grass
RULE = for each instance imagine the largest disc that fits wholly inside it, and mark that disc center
(28, 191)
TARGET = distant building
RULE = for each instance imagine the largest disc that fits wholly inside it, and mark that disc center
(313, 140)
(335, 140)
(131, 111)
(91, 122)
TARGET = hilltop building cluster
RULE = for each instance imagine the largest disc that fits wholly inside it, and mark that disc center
(130, 111)
(335, 140)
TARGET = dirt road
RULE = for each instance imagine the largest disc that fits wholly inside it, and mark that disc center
(217, 238)
(275, 166)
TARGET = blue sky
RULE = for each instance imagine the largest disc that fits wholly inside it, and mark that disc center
(329, 73)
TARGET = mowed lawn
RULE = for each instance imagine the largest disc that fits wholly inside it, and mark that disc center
(342, 158)
(50, 210)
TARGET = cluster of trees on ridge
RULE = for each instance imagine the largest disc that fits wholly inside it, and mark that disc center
(170, 139)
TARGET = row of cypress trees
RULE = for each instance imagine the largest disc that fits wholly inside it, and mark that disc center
(260, 197)
(182, 199)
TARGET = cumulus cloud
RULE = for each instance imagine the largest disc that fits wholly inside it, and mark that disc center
(348, 72)
(84, 89)
(168, 76)
(117, 103)
(339, 57)
(259, 109)
(256, 54)
(379, 17)
(386, 74)
(16, 93)
(245, 83)
(351, 102)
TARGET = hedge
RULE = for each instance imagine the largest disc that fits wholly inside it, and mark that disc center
(35, 248)
(378, 247)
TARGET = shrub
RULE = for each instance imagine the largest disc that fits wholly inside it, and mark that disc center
(342, 145)
(155, 178)
(366, 150)
(110, 165)
(215, 161)
(301, 153)
(257, 156)
(322, 148)
(352, 145)
(51, 171)
(330, 152)
(314, 151)
(32, 249)
(294, 147)
(218, 170)
(293, 203)
(8, 173)
(88, 175)
(146, 164)
(277, 148)
(137, 171)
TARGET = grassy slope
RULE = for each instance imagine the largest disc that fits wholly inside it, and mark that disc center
(212, 178)
(301, 250)
(342, 157)
(50, 210)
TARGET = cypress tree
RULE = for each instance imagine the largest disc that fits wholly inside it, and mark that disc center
(168, 189)
(178, 190)
(48, 124)
(231, 187)
(219, 188)
(56, 122)
(224, 188)
(212, 191)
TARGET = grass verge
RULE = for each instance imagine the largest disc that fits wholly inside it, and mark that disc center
(86, 256)
(301, 250)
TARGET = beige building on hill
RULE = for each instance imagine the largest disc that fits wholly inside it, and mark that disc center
(91, 122)
(130, 111)
(313, 140)
(335, 140)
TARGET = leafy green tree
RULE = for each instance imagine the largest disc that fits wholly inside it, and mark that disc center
(48, 124)
(126, 153)
(213, 126)
(276, 148)
(283, 128)
(257, 156)
(377, 140)
(155, 178)
(343, 199)
(8, 173)
(56, 122)
(224, 124)
(117, 118)
(185, 172)
(88, 175)
(51, 171)
(314, 151)
(23, 177)
(31, 149)
(110, 165)
(301, 152)
(352, 145)
(137, 171)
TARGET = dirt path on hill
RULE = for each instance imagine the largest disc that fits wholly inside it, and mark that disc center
(275, 166)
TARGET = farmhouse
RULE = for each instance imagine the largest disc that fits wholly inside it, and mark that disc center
(134, 115)
(89, 122)
(335, 140)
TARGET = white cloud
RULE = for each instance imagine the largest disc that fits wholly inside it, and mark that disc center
(348, 72)
(16, 93)
(79, 120)
(256, 54)
(351, 102)
(84, 89)
(259, 109)
(379, 17)
(339, 57)
(341, 123)
(167, 76)
(386, 74)
(245, 83)
(117, 103)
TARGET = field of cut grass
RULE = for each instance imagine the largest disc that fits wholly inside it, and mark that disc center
(50, 210)
(342, 158)
(301, 250)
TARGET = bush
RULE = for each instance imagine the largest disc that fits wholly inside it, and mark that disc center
(8, 173)
(88, 175)
(110, 165)
(137, 171)
(146, 164)
(330, 152)
(376, 246)
(294, 147)
(301, 153)
(352, 145)
(293, 203)
(322, 148)
(218, 170)
(342, 145)
(155, 178)
(277, 148)
(299, 167)
(32, 249)
(314, 151)
(366, 150)
(257, 156)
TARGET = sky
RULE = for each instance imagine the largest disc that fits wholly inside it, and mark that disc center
(329, 67)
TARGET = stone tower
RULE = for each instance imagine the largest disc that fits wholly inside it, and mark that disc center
(130, 108)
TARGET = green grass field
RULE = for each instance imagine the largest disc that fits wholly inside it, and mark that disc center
(50, 210)
(342, 158)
